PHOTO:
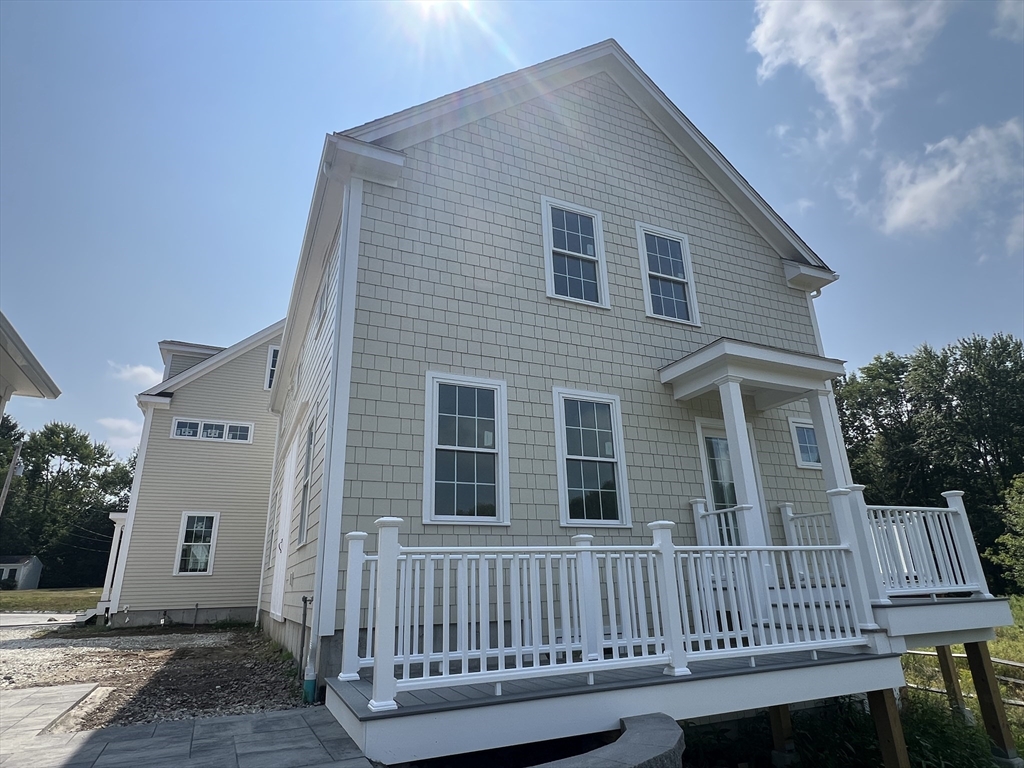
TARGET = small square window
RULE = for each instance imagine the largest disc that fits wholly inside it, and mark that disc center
(574, 253)
(186, 428)
(805, 444)
(212, 431)
(239, 432)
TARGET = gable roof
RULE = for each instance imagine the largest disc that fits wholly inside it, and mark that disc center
(411, 126)
(169, 347)
(226, 355)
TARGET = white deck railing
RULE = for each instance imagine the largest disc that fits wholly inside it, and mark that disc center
(440, 617)
(718, 527)
(807, 529)
(926, 550)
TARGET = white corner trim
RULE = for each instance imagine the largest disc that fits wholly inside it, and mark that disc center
(267, 547)
(181, 542)
(329, 542)
(133, 504)
(559, 395)
(688, 280)
(503, 501)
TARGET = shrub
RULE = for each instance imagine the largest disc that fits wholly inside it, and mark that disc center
(8, 584)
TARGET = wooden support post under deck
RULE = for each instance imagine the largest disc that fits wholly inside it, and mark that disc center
(783, 750)
(951, 679)
(991, 701)
(890, 730)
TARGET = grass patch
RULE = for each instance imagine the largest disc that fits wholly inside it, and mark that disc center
(50, 600)
(1009, 645)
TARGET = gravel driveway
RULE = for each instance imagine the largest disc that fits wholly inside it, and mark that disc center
(151, 674)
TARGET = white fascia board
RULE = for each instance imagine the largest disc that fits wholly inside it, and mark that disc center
(27, 363)
(417, 124)
(343, 158)
(776, 369)
(216, 361)
(159, 402)
(807, 278)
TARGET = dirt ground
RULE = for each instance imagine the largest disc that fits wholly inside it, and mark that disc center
(148, 674)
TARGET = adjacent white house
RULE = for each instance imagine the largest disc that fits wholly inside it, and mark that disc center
(557, 441)
(23, 570)
(190, 544)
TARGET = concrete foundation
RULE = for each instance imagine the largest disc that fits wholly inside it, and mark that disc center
(183, 616)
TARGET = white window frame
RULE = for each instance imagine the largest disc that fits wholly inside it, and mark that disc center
(547, 203)
(181, 542)
(271, 365)
(227, 426)
(502, 502)
(691, 290)
(806, 424)
(307, 483)
(560, 395)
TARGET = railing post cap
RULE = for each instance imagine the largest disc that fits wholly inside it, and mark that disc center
(857, 487)
(743, 507)
(839, 492)
(661, 525)
(388, 522)
(952, 494)
(582, 538)
(356, 536)
(698, 501)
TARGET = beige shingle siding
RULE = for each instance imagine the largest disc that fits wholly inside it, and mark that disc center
(181, 362)
(314, 373)
(205, 476)
(452, 278)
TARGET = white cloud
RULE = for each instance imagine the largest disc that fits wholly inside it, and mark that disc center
(803, 205)
(853, 51)
(1010, 20)
(953, 177)
(123, 435)
(142, 375)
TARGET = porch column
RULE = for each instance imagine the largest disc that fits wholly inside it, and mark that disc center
(741, 457)
(115, 545)
(890, 730)
(831, 448)
(993, 714)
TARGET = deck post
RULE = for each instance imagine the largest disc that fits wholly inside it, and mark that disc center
(951, 679)
(861, 578)
(864, 545)
(590, 597)
(965, 540)
(783, 750)
(353, 595)
(669, 598)
(384, 684)
(700, 523)
(993, 714)
(786, 510)
(890, 731)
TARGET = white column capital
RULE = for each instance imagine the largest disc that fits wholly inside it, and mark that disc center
(728, 379)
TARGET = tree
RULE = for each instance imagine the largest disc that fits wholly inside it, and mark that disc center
(920, 424)
(1009, 549)
(59, 509)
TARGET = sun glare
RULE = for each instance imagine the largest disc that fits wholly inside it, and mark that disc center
(440, 7)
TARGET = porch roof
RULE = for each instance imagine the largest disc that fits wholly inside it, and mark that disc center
(772, 376)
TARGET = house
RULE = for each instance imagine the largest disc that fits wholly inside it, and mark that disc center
(23, 570)
(557, 439)
(20, 372)
(189, 546)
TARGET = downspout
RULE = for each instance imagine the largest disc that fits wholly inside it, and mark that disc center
(326, 529)
(270, 512)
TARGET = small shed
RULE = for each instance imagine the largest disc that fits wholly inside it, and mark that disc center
(24, 570)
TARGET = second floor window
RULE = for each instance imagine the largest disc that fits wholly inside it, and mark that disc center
(668, 279)
(272, 354)
(574, 253)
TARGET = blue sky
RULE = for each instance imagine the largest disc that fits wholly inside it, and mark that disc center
(157, 159)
